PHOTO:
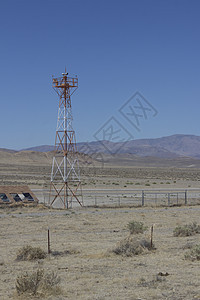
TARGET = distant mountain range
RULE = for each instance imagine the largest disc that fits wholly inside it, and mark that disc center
(165, 147)
(179, 151)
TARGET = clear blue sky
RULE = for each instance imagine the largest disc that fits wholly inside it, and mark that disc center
(116, 48)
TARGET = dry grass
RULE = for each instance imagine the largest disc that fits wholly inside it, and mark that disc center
(152, 283)
(38, 169)
(95, 273)
(64, 253)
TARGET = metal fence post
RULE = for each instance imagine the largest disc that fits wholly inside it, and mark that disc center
(48, 242)
(142, 198)
(185, 197)
(168, 199)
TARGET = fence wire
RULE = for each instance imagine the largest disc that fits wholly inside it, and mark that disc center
(106, 198)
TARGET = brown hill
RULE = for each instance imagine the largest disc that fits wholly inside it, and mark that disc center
(164, 147)
(102, 160)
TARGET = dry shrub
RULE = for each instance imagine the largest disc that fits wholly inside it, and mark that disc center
(131, 246)
(194, 253)
(50, 284)
(31, 253)
(187, 230)
(38, 283)
(136, 227)
(64, 253)
(29, 282)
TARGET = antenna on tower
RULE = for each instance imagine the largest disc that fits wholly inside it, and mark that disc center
(65, 173)
(65, 74)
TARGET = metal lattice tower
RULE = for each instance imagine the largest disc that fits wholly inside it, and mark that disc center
(65, 174)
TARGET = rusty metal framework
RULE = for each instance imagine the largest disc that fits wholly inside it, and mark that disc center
(65, 174)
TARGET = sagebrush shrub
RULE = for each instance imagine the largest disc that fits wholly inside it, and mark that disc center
(187, 230)
(31, 253)
(131, 246)
(136, 227)
(38, 283)
(29, 282)
(194, 253)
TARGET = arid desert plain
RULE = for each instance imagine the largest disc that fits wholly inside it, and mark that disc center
(82, 239)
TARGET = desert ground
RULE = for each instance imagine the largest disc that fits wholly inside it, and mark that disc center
(90, 270)
(100, 181)
(85, 237)
(108, 171)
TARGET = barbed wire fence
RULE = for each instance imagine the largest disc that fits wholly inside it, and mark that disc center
(117, 198)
